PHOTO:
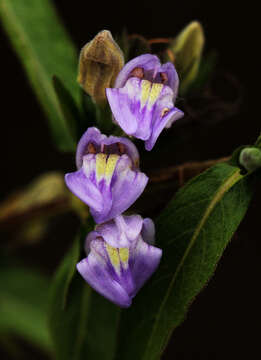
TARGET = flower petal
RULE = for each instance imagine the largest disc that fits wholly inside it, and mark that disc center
(148, 231)
(144, 261)
(128, 186)
(130, 148)
(147, 61)
(119, 272)
(173, 78)
(124, 105)
(107, 272)
(89, 238)
(121, 231)
(84, 189)
(96, 274)
(139, 108)
(133, 106)
(141, 98)
(107, 184)
(92, 135)
(160, 123)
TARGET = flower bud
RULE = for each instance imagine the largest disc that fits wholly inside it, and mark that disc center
(100, 62)
(186, 50)
(250, 158)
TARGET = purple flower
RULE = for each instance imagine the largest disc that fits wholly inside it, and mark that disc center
(143, 97)
(118, 272)
(107, 179)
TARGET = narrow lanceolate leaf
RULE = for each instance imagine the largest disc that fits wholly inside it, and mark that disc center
(102, 328)
(44, 49)
(193, 231)
(23, 310)
(64, 323)
(83, 324)
(77, 119)
(68, 106)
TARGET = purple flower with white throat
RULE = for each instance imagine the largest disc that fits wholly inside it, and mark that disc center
(118, 272)
(108, 178)
(142, 100)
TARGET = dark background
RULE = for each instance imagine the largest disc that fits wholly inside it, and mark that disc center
(223, 322)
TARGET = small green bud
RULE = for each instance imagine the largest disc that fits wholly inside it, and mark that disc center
(100, 62)
(186, 50)
(250, 158)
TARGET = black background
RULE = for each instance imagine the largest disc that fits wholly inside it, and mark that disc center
(223, 322)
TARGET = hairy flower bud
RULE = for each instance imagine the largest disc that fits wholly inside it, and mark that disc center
(186, 50)
(100, 62)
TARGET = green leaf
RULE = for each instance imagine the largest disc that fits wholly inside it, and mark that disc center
(102, 328)
(44, 49)
(82, 323)
(193, 232)
(68, 106)
(88, 117)
(23, 310)
(58, 299)
(77, 121)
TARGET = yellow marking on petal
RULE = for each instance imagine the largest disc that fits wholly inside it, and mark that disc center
(154, 93)
(145, 91)
(164, 111)
(100, 166)
(114, 256)
(110, 166)
(124, 256)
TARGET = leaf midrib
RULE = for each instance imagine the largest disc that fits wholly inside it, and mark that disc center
(233, 178)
